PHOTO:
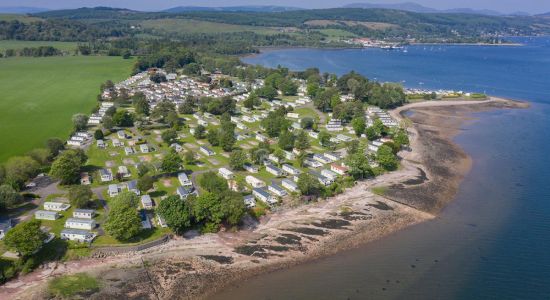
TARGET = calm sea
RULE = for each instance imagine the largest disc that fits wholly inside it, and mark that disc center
(493, 241)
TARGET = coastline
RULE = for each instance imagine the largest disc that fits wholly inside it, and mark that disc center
(199, 266)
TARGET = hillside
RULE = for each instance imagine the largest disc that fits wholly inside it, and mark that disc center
(262, 8)
(415, 7)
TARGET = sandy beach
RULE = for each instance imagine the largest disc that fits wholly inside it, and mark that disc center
(196, 266)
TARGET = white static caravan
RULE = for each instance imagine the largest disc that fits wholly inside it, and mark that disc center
(74, 223)
(254, 182)
(56, 206)
(46, 215)
(83, 213)
(225, 173)
(78, 235)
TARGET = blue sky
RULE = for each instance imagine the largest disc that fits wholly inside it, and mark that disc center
(532, 6)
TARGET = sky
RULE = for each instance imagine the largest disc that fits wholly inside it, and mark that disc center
(506, 6)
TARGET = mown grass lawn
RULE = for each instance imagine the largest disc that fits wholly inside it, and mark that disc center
(69, 286)
(39, 96)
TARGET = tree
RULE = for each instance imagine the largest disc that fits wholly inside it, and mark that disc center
(259, 155)
(19, 169)
(359, 125)
(8, 197)
(401, 138)
(141, 104)
(172, 119)
(307, 123)
(80, 121)
(386, 158)
(123, 221)
(251, 101)
(267, 92)
(80, 196)
(145, 183)
(237, 159)
(122, 118)
(213, 136)
(55, 145)
(108, 122)
(172, 162)
(26, 238)
(371, 133)
(359, 167)
(353, 147)
(67, 167)
(308, 185)
(208, 209)
(286, 140)
(40, 155)
(213, 183)
(227, 138)
(324, 139)
(189, 158)
(288, 87)
(143, 169)
(302, 141)
(158, 78)
(162, 109)
(235, 208)
(199, 132)
(169, 136)
(176, 213)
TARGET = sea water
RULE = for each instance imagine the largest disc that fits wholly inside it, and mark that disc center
(493, 240)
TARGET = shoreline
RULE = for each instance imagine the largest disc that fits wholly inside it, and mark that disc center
(200, 266)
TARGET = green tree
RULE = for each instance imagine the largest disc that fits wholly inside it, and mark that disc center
(145, 183)
(143, 169)
(122, 118)
(401, 138)
(40, 155)
(359, 167)
(123, 224)
(199, 132)
(307, 123)
(309, 185)
(108, 122)
(19, 169)
(208, 209)
(324, 139)
(169, 136)
(213, 183)
(67, 167)
(8, 197)
(237, 159)
(25, 238)
(386, 158)
(55, 145)
(267, 92)
(189, 158)
(98, 134)
(176, 213)
(80, 121)
(288, 87)
(80, 196)
(172, 162)
(141, 104)
(358, 125)
(227, 138)
(302, 141)
(251, 101)
(213, 137)
(286, 140)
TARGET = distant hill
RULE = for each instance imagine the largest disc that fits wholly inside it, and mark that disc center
(21, 10)
(259, 8)
(415, 7)
(89, 13)
(544, 15)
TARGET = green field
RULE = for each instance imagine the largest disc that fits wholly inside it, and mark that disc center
(39, 96)
(13, 44)
(195, 26)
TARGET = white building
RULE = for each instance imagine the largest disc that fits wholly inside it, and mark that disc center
(78, 235)
(225, 173)
(289, 185)
(184, 179)
(86, 224)
(276, 190)
(274, 170)
(83, 213)
(56, 206)
(46, 215)
(206, 151)
(146, 202)
(113, 190)
(291, 170)
(106, 175)
(254, 182)
(264, 196)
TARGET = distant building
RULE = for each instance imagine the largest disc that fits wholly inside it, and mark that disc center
(78, 235)
(46, 215)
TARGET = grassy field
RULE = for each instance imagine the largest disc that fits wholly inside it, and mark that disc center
(13, 44)
(195, 26)
(39, 96)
